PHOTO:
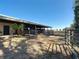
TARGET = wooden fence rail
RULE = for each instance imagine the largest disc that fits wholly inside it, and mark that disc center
(69, 39)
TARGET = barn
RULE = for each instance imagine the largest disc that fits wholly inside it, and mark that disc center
(29, 27)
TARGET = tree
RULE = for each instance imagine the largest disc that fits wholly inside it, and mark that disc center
(20, 29)
(17, 28)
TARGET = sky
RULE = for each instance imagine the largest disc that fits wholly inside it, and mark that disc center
(54, 13)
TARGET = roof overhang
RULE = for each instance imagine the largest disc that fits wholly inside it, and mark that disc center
(17, 20)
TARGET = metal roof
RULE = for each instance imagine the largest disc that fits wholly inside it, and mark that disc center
(9, 18)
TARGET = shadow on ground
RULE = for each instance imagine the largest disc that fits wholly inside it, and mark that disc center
(20, 51)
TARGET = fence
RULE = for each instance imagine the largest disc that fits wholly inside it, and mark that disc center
(69, 36)
(70, 39)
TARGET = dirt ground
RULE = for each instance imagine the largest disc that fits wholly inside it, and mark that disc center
(43, 47)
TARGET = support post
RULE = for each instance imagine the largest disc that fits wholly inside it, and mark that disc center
(69, 36)
(35, 30)
(65, 36)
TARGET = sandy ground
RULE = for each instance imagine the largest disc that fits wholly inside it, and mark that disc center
(39, 48)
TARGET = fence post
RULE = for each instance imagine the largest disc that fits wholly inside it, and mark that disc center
(65, 35)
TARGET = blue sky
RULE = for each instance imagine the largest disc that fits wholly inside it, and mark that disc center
(55, 13)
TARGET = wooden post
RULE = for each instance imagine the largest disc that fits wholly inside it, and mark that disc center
(35, 30)
(69, 36)
(29, 32)
(65, 36)
(72, 38)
